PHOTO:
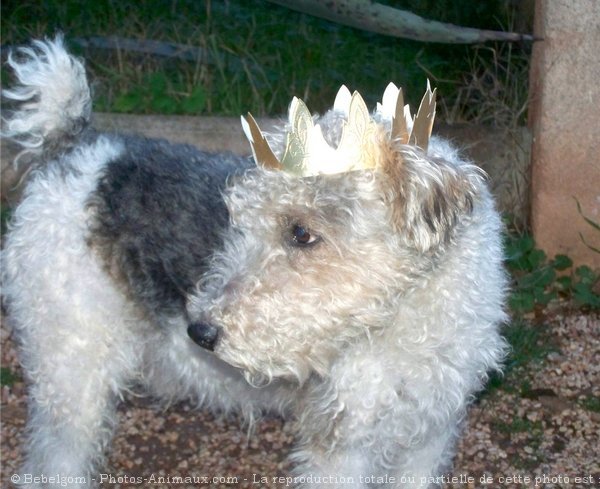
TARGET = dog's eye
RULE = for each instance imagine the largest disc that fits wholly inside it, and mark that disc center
(301, 236)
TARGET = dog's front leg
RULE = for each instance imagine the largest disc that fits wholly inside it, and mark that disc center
(334, 438)
(364, 433)
(351, 459)
(317, 467)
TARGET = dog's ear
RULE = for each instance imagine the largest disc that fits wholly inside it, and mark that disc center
(428, 195)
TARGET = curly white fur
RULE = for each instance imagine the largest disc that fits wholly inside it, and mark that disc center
(373, 337)
(53, 92)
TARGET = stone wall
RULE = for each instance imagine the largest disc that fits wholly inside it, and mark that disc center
(565, 122)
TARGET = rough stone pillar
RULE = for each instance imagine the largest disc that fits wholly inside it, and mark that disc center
(565, 120)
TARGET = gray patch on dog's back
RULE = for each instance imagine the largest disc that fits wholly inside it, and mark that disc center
(159, 215)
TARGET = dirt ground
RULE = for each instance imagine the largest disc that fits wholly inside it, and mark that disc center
(541, 428)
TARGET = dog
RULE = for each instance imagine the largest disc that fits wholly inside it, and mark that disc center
(348, 276)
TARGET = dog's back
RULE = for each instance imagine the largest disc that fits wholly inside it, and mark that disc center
(122, 182)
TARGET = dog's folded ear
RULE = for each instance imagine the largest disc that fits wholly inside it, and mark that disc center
(428, 196)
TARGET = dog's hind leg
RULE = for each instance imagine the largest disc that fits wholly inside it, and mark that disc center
(77, 359)
(73, 325)
(74, 383)
(74, 352)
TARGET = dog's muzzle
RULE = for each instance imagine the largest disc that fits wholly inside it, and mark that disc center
(204, 335)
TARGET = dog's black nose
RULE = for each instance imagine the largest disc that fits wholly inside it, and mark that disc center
(203, 334)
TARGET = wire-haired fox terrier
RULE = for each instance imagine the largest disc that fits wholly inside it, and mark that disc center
(349, 277)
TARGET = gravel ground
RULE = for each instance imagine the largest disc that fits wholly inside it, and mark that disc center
(541, 428)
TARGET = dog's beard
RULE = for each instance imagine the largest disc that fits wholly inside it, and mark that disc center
(256, 379)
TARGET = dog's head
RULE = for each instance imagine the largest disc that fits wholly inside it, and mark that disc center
(313, 264)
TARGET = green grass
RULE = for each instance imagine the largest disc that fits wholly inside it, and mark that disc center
(258, 54)
(5, 214)
(528, 343)
(591, 403)
(8, 377)
(518, 425)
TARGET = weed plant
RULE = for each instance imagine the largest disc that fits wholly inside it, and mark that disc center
(536, 280)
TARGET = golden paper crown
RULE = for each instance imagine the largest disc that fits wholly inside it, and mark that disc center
(307, 153)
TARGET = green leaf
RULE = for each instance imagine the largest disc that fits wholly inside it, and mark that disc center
(547, 277)
(522, 301)
(518, 261)
(591, 403)
(586, 274)
(195, 103)
(562, 262)
(542, 297)
(536, 259)
(526, 243)
(516, 251)
(542, 277)
(163, 105)
(130, 102)
(583, 291)
(584, 295)
(7, 376)
(157, 83)
(565, 282)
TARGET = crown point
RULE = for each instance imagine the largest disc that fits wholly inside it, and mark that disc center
(400, 128)
(246, 128)
(358, 111)
(261, 151)
(423, 122)
(388, 101)
(342, 100)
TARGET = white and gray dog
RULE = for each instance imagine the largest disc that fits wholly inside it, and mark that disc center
(363, 301)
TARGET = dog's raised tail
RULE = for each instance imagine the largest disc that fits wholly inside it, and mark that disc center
(52, 102)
